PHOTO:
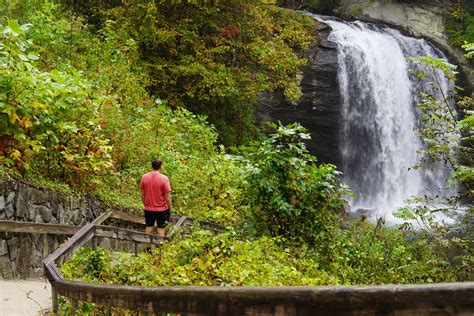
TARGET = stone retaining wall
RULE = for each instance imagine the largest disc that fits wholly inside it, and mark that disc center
(21, 254)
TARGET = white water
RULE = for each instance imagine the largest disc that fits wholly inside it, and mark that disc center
(379, 146)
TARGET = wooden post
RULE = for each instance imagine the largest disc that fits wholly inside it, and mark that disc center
(94, 243)
(75, 304)
(54, 298)
(135, 246)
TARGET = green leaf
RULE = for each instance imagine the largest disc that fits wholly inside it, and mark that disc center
(15, 27)
(33, 57)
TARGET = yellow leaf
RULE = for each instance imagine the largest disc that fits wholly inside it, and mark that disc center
(13, 117)
(39, 106)
(69, 157)
(16, 155)
(25, 122)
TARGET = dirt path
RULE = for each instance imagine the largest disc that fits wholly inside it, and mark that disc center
(24, 297)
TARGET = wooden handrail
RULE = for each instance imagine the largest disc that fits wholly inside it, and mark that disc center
(176, 226)
(38, 228)
(80, 238)
(140, 220)
(124, 216)
(446, 299)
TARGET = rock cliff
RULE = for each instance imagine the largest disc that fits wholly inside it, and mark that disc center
(319, 108)
(420, 18)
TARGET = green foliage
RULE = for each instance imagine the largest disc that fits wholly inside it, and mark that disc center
(91, 263)
(203, 179)
(362, 255)
(90, 90)
(286, 192)
(372, 254)
(469, 47)
(460, 23)
(48, 118)
(318, 6)
(214, 59)
(19, 9)
(447, 138)
(455, 249)
(447, 126)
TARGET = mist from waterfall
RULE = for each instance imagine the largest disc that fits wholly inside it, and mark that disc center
(379, 94)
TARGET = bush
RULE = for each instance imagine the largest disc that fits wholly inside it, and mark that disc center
(286, 192)
(460, 23)
(48, 118)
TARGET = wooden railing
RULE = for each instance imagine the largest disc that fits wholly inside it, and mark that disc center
(439, 299)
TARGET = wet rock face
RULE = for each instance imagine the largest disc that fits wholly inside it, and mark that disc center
(420, 18)
(319, 108)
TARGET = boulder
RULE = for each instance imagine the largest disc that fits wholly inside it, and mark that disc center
(40, 197)
(13, 247)
(2, 203)
(361, 214)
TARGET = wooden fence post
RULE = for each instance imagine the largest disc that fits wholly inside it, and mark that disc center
(54, 298)
(75, 304)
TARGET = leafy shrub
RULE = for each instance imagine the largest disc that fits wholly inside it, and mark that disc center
(286, 192)
(364, 254)
(446, 129)
(48, 119)
(460, 23)
(373, 254)
(202, 177)
(203, 259)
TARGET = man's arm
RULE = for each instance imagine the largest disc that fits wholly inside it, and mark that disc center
(142, 189)
(168, 200)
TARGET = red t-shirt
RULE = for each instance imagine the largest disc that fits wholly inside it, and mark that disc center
(154, 185)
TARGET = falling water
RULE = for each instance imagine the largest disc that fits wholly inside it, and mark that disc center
(379, 94)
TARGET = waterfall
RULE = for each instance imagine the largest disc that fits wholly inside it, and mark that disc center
(379, 94)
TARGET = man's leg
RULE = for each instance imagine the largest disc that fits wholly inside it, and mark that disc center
(162, 220)
(161, 232)
(150, 223)
(149, 230)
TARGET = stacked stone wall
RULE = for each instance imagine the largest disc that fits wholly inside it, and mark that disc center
(21, 254)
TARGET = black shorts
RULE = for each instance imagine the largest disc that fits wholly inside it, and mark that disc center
(160, 217)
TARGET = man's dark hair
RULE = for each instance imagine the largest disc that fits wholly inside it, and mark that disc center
(156, 163)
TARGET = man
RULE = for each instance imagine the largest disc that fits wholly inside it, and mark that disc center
(156, 197)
